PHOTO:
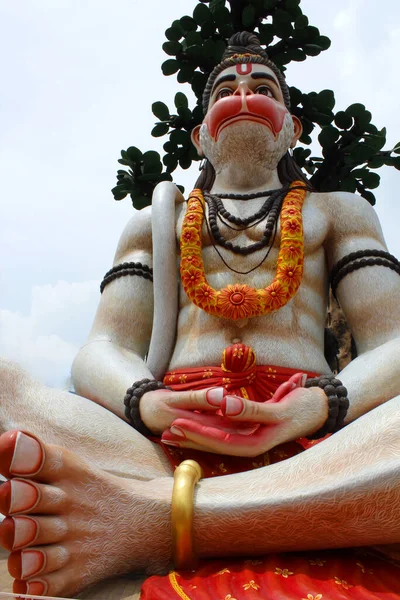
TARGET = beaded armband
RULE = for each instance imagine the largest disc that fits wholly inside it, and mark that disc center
(125, 269)
(338, 404)
(360, 259)
(132, 401)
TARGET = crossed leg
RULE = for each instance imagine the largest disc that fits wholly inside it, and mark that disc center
(92, 513)
(70, 524)
(100, 437)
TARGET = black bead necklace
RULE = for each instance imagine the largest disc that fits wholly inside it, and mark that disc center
(251, 196)
(272, 209)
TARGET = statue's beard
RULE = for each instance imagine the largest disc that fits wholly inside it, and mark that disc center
(246, 144)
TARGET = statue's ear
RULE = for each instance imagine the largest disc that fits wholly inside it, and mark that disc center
(195, 136)
(298, 130)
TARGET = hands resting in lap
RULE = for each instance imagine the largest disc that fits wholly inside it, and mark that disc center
(215, 421)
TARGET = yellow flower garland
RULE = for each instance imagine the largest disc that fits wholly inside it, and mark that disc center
(239, 301)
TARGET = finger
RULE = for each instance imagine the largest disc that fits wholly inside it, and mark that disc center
(223, 423)
(241, 409)
(217, 441)
(208, 399)
(220, 442)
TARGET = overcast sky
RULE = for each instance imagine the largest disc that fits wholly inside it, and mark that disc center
(78, 80)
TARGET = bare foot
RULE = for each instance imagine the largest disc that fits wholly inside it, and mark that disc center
(70, 525)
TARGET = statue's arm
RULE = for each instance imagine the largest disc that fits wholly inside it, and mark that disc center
(113, 356)
(370, 299)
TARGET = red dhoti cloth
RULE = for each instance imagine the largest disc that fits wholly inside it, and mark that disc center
(320, 575)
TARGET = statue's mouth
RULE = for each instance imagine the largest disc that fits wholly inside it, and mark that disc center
(246, 116)
(254, 108)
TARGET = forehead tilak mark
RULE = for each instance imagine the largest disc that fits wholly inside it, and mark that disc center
(244, 68)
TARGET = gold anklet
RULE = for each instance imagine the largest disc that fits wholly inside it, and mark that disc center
(186, 475)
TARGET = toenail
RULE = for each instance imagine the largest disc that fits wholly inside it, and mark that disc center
(24, 496)
(25, 531)
(37, 588)
(32, 562)
(27, 457)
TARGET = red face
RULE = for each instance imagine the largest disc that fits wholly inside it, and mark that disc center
(249, 92)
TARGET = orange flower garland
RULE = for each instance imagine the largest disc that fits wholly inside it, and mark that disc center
(240, 301)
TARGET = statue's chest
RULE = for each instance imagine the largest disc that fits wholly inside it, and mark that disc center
(252, 231)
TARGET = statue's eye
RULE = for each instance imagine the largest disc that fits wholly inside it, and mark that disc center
(224, 93)
(264, 90)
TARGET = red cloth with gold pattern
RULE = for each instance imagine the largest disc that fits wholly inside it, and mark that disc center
(356, 574)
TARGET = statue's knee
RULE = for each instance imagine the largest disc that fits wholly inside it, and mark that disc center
(12, 376)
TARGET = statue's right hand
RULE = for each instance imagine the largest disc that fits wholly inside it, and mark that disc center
(160, 408)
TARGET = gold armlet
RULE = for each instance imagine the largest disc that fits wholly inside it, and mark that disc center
(186, 475)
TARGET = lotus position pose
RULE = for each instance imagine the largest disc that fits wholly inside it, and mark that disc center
(235, 376)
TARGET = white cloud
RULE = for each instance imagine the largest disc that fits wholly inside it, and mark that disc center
(46, 340)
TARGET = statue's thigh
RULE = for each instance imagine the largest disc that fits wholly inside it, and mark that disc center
(78, 424)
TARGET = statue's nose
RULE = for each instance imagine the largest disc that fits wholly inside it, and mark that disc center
(243, 90)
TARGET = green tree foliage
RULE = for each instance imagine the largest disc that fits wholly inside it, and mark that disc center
(351, 146)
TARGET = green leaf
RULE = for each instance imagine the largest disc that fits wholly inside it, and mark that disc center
(343, 120)
(169, 67)
(180, 137)
(150, 176)
(312, 49)
(171, 162)
(125, 162)
(369, 196)
(188, 24)
(118, 193)
(185, 162)
(348, 185)
(359, 173)
(174, 34)
(328, 136)
(134, 154)
(185, 74)
(180, 100)
(371, 180)
(296, 54)
(326, 99)
(201, 14)
(151, 158)
(295, 96)
(301, 22)
(172, 48)
(323, 42)
(193, 38)
(361, 153)
(396, 149)
(160, 129)
(170, 146)
(160, 110)
(376, 162)
(376, 141)
(355, 110)
(396, 162)
(248, 15)
(140, 202)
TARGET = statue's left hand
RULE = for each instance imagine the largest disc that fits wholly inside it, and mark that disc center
(293, 412)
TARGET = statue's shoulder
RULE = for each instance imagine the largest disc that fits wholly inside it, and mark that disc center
(346, 213)
(136, 236)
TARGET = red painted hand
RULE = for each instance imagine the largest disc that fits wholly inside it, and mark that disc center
(293, 412)
(160, 408)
